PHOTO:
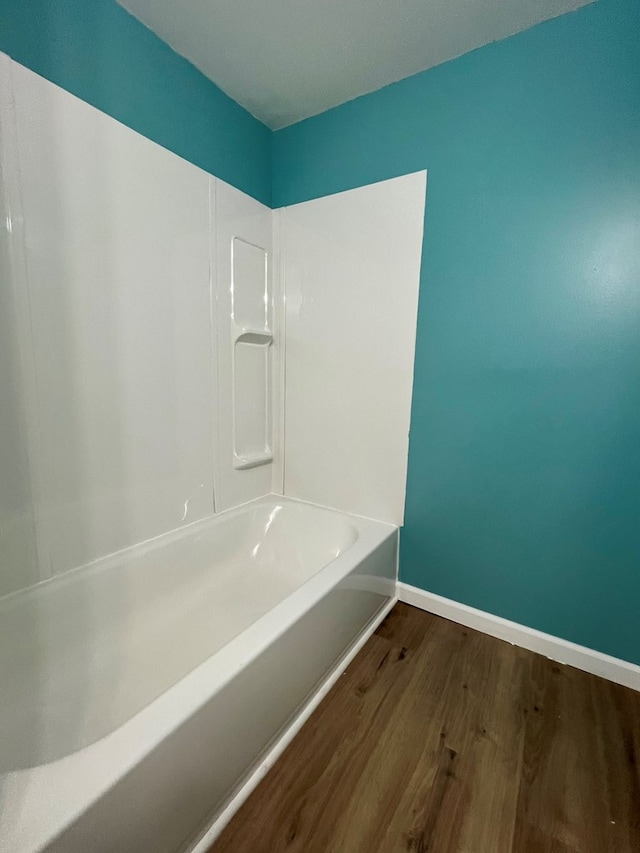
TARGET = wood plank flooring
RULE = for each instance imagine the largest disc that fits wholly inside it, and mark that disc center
(441, 739)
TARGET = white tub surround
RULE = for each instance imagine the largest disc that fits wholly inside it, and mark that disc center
(168, 619)
(131, 729)
(154, 312)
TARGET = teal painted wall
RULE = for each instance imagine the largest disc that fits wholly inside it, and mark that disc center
(524, 465)
(97, 51)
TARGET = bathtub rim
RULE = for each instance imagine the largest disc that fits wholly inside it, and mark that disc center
(103, 763)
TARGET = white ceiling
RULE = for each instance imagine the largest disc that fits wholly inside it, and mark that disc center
(285, 60)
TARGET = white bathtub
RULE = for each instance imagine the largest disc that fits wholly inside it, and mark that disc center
(140, 694)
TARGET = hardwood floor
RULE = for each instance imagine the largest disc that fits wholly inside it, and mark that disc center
(441, 739)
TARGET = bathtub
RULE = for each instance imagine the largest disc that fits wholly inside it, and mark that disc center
(145, 695)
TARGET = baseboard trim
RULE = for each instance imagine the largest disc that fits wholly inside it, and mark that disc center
(266, 761)
(563, 651)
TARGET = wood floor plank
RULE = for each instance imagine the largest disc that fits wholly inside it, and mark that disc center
(442, 739)
(618, 725)
(576, 775)
(410, 740)
(481, 729)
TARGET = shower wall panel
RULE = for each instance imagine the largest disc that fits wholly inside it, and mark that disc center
(351, 270)
(115, 234)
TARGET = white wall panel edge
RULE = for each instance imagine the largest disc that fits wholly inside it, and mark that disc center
(421, 175)
(279, 351)
(215, 378)
(13, 233)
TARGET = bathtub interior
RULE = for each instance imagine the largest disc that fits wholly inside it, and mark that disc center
(82, 653)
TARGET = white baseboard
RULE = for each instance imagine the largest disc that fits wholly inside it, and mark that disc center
(283, 740)
(563, 651)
